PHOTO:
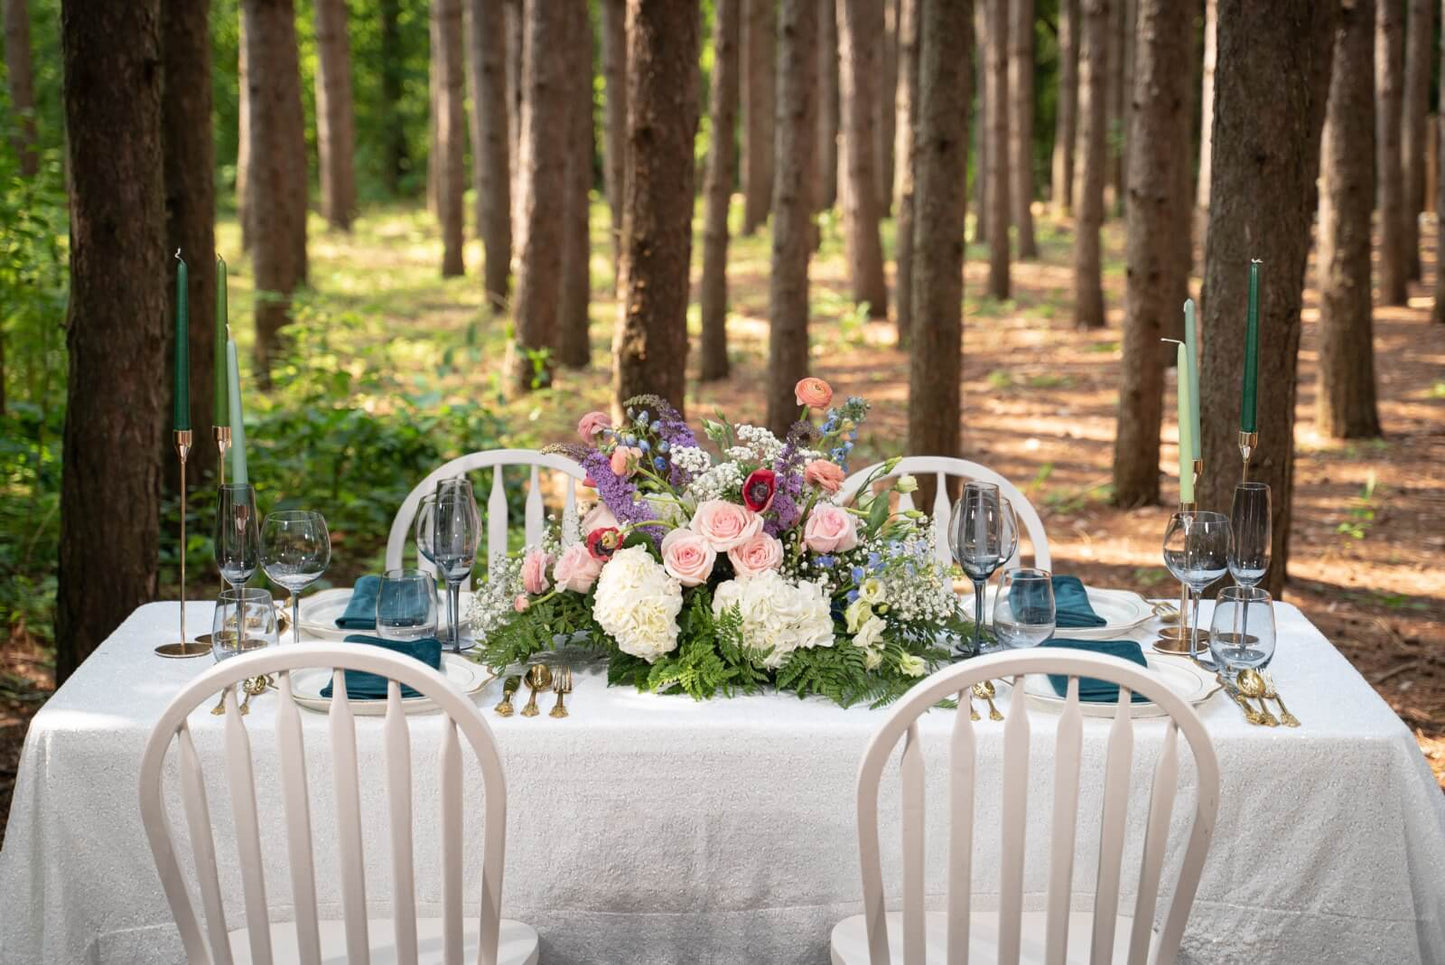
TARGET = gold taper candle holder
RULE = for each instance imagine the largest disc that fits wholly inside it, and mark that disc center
(222, 435)
(1248, 442)
(1182, 640)
(183, 647)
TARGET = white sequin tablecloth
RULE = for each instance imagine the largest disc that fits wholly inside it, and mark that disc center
(649, 830)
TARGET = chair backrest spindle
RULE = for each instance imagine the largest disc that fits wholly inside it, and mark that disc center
(291, 749)
(248, 831)
(398, 789)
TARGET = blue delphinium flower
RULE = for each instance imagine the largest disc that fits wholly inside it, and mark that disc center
(642, 417)
(852, 595)
(659, 463)
(826, 562)
(644, 445)
(857, 574)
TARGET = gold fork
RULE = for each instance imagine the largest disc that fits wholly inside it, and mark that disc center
(985, 689)
(561, 686)
(1285, 717)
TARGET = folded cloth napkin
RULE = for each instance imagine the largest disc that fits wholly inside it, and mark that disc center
(1092, 689)
(361, 685)
(1071, 605)
(361, 608)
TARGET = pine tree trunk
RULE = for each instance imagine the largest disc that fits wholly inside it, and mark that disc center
(1389, 54)
(516, 163)
(826, 153)
(718, 189)
(1419, 45)
(649, 351)
(940, 200)
(22, 82)
(1345, 399)
(335, 126)
(117, 389)
(998, 149)
(795, 132)
(278, 187)
(860, 40)
(614, 76)
(1115, 94)
(1437, 311)
(1090, 161)
(448, 53)
(243, 138)
(1206, 115)
(1021, 124)
(907, 114)
(393, 71)
(574, 348)
(544, 175)
(981, 125)
(1067, 112)
(759, 63)
(190, 199)
(1269, 105)
(491, 145)
(1130, 25)
(435, 66)
(887, 107)
(1158, 267)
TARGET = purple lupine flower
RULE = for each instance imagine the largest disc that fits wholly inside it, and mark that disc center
(789, 468)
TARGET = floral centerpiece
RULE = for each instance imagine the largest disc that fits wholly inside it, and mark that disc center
(727, 573)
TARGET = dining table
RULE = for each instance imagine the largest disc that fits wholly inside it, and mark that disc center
(649, 829)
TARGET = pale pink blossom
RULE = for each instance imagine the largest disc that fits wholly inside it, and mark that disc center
(521, 603)
(624, 460)
(534, 572)
(724, 524)
(758, 554)
(830, 529)
(591, 424)
(687, 557)
(576, 569)
(826, 475)
(600, 517)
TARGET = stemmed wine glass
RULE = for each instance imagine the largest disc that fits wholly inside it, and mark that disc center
(456, 530)
(1249, 528)
(982, 536)
(238, 535)
(295, 551)
(425, 527)
(1196, 551)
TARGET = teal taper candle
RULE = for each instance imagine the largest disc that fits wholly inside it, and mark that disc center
(221, 411)
(1251, 353)
(181, 399)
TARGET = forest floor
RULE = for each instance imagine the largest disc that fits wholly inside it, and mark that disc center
(1368, 539)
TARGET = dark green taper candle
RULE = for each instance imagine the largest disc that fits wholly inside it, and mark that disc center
(181, 401)
(1251, 353)
(221, 411)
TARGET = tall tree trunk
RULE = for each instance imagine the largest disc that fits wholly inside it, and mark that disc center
(1115, 95)
(393, 72)
(243, 139)
(190, 198)
(1345, 399)
(22, 82)
(649, 351)
(907, 116)
(887, 107)
(998, 149)
(1269, 104)
(1067, 112)
(1206, 122)
(941, 200)
(1389, 53)
(795, 133)
(1126, 88)
(1021, 123)
(826, 153)
(574, 348)
(759, 61)
(277, 189)
(117, 392)
(1437, 311)
(448, 52)
(614, 77)
(981, 125)
(335, 126)
(544, 176)
(860, 40)
(718, 190)
(516, 60)
(491, 144)
(1090, 160)
(1419, 45)
(1158, 265)
(435, 66)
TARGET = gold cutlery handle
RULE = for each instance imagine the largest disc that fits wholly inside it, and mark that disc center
(1250, 714)
(531, 709)
(1285, 717)
(559, 709)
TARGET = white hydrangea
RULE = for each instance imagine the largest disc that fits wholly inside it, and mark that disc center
(715, 483)
(778, 613)
(637, 603)
(691, 459)
(759, 442)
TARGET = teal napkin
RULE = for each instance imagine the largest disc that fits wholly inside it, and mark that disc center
(1071, 605)
(361, 608)
(1092, 689)
(362, 685)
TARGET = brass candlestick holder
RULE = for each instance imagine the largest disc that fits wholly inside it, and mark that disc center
(1184, 640)
(184, 647)
(1248, 442)
(222, 435)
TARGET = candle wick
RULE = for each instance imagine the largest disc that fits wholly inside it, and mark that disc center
(1174, 340)
(178, 255)
(1256, 261)
(228, 333)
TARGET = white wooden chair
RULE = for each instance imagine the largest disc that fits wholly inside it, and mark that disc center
(356, 939)
(943, 467)
(496, 502)
(1010, 935)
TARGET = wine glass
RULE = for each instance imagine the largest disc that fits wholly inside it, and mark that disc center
(238, 535)
(425, 527)
(1196, 551)
(1242, 634)
(456, 530)
(406, 605)
(1023, 611)
(1249, 528)
(978, 537)
(245, 620)
(295, 551)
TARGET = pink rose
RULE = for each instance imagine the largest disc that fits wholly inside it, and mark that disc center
(521, 603)
(625, 459)
(600, 517)
(830, 529)
(534, 572)
(687, 557)
(724, 524)
(591, 424)
(813, 393)
(757, 554)
(826, 475)
(576, 570)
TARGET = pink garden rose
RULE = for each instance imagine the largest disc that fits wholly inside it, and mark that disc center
(521, 603)
(591, 424)
(758, 554)
(830, 529)
(600, 517)
(534, 572)
(826, 475)
(724, 524)
(813, 393)
(625, 459)
(687, 557)
(576, 570)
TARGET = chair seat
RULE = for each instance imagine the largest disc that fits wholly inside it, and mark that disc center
(850, 938)
(517, 944)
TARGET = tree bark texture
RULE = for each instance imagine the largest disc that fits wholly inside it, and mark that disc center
(887, 107)
(1066, 114)
(1090, 161)
(1127, 39)
(393, 71)
(941, 201)
(1345, 398)
(1437, 311)
(448, 53)
(1389, 172)
(243, 137)
(907, 120)
(1160, 200)
(491, 145)
(516, 60)
(335, 123)
(21, 82)
(117, 390)
(278, 186)
(1206, 113)
(795, 133)
(1269, 105)
(981, 125)
(718, 189)
(1415, 105)
(574, 347)
(1115, 95)
(860, 41)
(759, 63)
(1021, 123)
(614, 79)
(998, 149)
(650, 347)
(826, 153)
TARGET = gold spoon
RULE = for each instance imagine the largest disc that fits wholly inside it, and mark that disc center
(1250, 714)
(1285, 717)
(984, 689)
(538, 678)
(509, 687)
(1251, 684)
(253, 686)
(220, 708)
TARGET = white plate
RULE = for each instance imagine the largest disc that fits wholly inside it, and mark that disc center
(319, 612)
(1122, 610)
(306, 687)
(1192, 683)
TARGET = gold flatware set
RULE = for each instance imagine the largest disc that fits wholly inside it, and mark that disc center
(984, 690)
(539, 679)
(1250, 685)
(251, 687)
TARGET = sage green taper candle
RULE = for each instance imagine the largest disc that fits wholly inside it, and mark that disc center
(221, 408)
(1191, 350)
(181, 399)
(1251, 353)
